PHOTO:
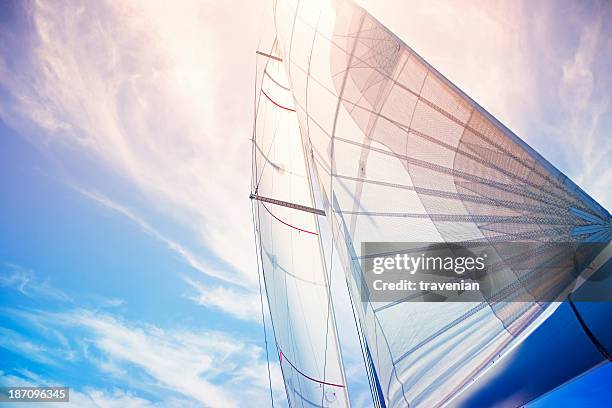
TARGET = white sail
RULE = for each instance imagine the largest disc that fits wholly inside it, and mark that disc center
(402, 155)
(289, 246)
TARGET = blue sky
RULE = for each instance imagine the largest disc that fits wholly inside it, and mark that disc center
(127, 266)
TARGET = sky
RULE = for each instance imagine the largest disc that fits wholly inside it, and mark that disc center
(127, 260)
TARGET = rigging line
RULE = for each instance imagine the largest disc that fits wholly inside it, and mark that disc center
(263, 315)
(279, 105)
(260, 255)
(256, 103)
(491, 358)
(259, 272)
(329, 278)
(283, 357)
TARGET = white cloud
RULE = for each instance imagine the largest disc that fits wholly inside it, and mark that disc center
(24, 281)
(201, 365)
(177, 361)
(113, 302)
(205, 366)
(586, 110)
(155, 93)
(577, 79)
(179, 249)
(87, 398)
(16, 342)
(117, 398)
(242, 304)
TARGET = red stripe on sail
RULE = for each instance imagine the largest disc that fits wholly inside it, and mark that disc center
(280, 106)
(280, 355)
(287, 224)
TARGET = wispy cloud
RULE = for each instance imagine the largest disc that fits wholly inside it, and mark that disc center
(20, 344)
(89, 397)
(239, 303)
(585, 95)
(113, 302)
(179, 249)
(26, 282)
(178, 360)
(146, 90)
(202, 365)
(577, 79)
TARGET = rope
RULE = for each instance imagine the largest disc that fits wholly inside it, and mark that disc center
(263, 316)
(259, 271)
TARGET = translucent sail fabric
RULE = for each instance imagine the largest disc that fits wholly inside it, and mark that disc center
(293, 267)
(402, 155)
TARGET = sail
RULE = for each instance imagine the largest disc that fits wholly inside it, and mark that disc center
(402, 155)
(294, 270)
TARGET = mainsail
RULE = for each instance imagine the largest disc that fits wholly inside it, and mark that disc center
(289, 247)
(398, 154)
